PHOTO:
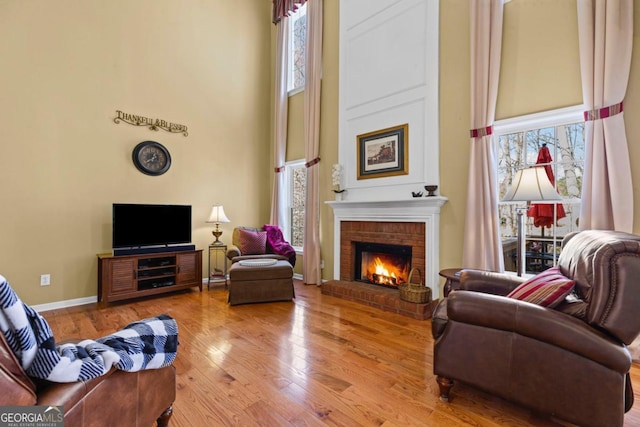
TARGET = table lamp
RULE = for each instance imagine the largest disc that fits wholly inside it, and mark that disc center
(217, 216)
(529, 185)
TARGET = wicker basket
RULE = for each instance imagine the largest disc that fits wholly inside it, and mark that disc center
(415, 292)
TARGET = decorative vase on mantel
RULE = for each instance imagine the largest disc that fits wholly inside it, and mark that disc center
(336, 180)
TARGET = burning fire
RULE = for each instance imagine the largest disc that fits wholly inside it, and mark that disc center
(382, 273)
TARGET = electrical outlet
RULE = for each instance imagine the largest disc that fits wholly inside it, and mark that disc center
(45, 279)
(321, 264)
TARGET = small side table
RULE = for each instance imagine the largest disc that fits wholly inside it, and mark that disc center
(217, 264)
(452, 276)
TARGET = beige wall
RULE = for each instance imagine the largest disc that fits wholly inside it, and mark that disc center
(329, 129)
(67, 67)
(454, 127)
(540, 67)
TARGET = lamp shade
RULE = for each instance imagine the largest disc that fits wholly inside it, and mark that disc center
(531, 185)
(217, 215)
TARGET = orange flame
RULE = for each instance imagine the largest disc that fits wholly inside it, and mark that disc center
(386, 273)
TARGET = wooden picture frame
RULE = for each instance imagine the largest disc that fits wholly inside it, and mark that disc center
(383, 152)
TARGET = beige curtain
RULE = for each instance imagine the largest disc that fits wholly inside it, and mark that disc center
(482, 246)
(313, 71)
(606, 38)
(278, 206)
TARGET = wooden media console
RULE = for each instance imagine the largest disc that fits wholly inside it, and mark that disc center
(133, 276)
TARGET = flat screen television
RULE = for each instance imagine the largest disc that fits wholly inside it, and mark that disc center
(138, 225)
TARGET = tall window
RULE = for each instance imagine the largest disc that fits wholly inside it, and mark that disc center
(297, 41)
(296, 184)
(521, 140)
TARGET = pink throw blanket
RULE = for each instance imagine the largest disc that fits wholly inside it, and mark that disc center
(277, 244)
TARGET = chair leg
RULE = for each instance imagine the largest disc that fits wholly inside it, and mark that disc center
(444, 384)
(163, 419)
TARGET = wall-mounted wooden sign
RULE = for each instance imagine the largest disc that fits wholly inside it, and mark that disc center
(153, 124)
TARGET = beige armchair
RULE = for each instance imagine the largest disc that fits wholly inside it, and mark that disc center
(570, 361)
(247, 243)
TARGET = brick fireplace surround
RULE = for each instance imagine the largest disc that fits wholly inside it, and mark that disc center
(410, 222)
(394, 233)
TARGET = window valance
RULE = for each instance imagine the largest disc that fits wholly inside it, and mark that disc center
(282, 8)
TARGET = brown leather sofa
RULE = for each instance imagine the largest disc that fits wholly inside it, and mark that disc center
(116, 399)
(570, 362)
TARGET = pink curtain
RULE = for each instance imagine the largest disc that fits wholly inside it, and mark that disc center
(482, 246)
(313, 68)
(278, 208)
(283, 8)
(606, 38)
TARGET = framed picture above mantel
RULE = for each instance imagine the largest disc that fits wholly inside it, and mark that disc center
(383, 152)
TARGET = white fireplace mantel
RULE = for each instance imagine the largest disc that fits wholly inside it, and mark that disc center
(423, 209)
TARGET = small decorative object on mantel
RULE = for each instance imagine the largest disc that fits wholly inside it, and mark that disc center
(416, 193)
(431, 189)
(414, 292)
(156, 124)
(336, 179)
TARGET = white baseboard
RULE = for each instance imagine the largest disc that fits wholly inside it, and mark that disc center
(64, 304)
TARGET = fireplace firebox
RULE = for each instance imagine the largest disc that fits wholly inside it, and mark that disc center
(382, 264)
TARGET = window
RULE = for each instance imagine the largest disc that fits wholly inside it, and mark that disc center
(520, 140)
(296, 185)
(297, 48)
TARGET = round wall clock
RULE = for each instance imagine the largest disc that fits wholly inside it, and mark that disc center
(151, 158)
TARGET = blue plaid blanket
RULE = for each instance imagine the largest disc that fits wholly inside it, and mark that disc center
(146, 344)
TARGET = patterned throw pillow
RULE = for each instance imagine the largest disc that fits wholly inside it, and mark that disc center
(547, 289)
(251, 242)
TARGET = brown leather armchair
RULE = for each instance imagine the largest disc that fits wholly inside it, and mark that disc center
(571, 361)
(116, 399)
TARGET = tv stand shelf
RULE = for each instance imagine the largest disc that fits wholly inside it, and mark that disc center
(133, 276)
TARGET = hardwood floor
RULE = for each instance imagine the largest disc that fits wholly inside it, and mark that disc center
(317, 361)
